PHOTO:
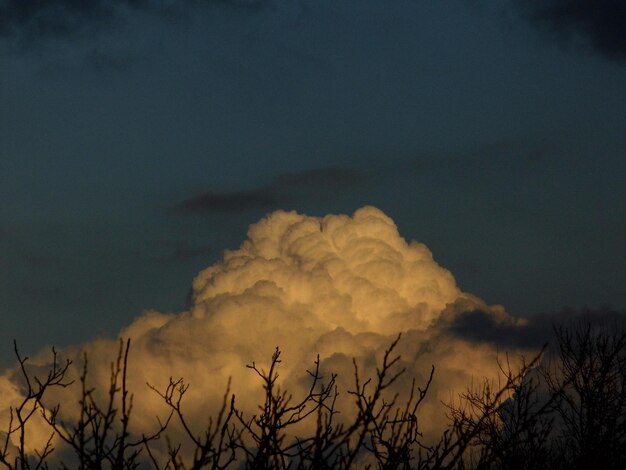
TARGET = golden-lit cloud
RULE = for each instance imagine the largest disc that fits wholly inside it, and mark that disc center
(339, 286)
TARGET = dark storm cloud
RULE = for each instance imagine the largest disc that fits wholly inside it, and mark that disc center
(600, 24)
(282, 189)
(481, 326)
(29, 22)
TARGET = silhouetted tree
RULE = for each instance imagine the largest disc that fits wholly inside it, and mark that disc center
(100, 438)
(588, 376)
(565, 408)
(508, 424)
(566, 411)
(214, 448)
(20, 415)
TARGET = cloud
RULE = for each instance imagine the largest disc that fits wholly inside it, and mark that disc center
(598, 24)
(228, 201)
(283, 189)
(29, 22)
(496, 328)
(339, 286)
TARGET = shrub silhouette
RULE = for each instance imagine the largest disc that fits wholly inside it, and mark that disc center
(564, 408)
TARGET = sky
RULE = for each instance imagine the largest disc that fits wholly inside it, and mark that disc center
(139, 139)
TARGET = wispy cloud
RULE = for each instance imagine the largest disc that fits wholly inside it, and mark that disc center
(229, 201)
(282, 189)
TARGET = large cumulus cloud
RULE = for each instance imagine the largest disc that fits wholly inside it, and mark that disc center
(339, 286)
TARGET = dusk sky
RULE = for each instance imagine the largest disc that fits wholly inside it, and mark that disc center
(139, 139)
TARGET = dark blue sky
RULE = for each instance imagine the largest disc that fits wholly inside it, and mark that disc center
(138, 139)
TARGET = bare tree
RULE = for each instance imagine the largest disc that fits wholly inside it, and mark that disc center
(20, 415)
(215, 447)
(561, 410)
(503, 424)
(101, 438)
(381, 431)
(564, 410)
(588, 374)
(272, 446)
